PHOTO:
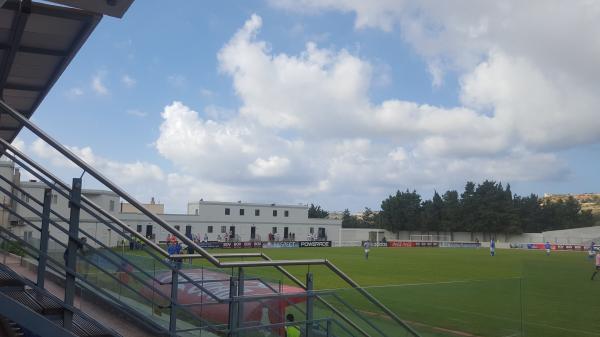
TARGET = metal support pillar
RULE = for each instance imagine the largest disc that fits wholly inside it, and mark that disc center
(240, 305)
(44, 236)
(310, 301)
(173, 316)
(329, 332)
(71, 253)
(233, 303)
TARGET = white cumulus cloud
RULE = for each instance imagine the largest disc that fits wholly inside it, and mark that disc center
(270, 167)
(307, 126)
(128, 81)
(127, 173)
(98, 83)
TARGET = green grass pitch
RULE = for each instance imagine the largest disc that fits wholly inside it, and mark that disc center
(461, 292)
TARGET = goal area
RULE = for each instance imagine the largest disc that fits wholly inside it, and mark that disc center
(430, 237)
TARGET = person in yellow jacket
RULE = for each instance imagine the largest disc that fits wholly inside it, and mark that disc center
(291, 330)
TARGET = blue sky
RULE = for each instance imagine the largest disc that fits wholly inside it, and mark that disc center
(333, 102)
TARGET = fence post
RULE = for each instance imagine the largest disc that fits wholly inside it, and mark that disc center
(45, 234)
(233, 303)
(309, 304)
(173, 316)
(71, 253)
(240, 305)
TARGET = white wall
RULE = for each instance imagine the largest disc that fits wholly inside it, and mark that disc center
(199, 225)
(361, 234)
(215, 211)
(7, 170)
(213, 215)
(573, 236)
(60, 204)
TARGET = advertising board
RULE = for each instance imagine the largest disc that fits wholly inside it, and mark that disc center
(396, 243)
(238, 245)
(454, 244)
(280, 244)
(307, 244)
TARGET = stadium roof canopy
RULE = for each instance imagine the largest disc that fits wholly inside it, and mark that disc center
(37, 43)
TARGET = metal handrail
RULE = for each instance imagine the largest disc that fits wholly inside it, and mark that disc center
(83, 207)
(213, 260)
(54, 264)
(64, 187)
(101, 254)
(63, 191)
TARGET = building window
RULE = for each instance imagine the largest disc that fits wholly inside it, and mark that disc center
(177, 228)
(274, 212)
(256, 212)
(196, 211)
(210, 229)
(55, 199)
(111, 205)
(223, 229)
(139, 228)
(227, 211)
(286, 213)
(241, 211)
(312, 230)
(274, 231)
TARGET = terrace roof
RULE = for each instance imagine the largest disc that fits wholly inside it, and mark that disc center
(37, 43)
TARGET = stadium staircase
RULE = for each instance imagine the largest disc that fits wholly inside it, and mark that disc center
(45, 313)
(144, 286)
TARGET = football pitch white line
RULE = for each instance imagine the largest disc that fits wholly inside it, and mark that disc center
(591, 333)
(434, 283)
(517, 321)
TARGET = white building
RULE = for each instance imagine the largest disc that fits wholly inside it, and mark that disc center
(240, 222)
(237, 221)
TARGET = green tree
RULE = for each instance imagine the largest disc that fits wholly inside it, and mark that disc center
(450, 219)
(488, 207)
(317, 212)
(349, 220)
(368, 218)
(468, 209)
(529, 213)
(401, 211)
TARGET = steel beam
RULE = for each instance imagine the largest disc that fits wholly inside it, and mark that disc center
(44, 236)
(23, 87)
(233, 322)
(240, 305)
(310, 301)
(17, 30)
(72, 248)
(173, 313)
(35, 50)
(271, 263)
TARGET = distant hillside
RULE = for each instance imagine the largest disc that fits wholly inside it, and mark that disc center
(588, 201)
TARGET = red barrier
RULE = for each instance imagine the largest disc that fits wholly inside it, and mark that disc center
(568, 247)
(218, 284)
(402, 243)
